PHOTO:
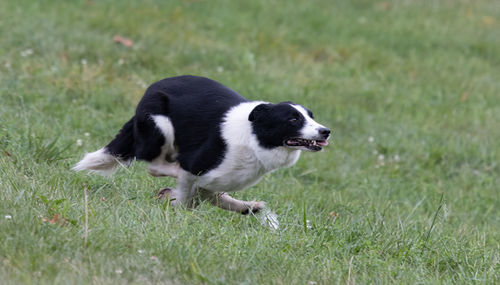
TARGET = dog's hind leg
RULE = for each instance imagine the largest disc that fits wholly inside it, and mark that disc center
(226, 202)
(164, 169)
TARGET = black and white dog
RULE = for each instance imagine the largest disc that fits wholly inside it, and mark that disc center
(211, 139)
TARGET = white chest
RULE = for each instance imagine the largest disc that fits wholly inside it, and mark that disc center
(244, 167)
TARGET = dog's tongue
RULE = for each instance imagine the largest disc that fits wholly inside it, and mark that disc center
(322, 143)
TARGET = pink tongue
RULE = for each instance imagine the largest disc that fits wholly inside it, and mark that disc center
(322, 143)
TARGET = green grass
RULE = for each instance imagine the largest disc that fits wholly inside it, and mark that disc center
(421, 78)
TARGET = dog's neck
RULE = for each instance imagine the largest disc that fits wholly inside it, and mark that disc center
(237, 130)
(272, 159)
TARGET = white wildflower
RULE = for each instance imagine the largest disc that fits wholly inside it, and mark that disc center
(396, 158)
(380, 161)
(86, 134)
(141, 83)
(220, 69)
(8, 217)
(27, 52)
(84, 61)
(308, 224)
(121, 61)
(141, 251)
(119, 271)
(371, 139)
(79, 142)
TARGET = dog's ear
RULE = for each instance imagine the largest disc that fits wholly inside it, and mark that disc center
(259, 111)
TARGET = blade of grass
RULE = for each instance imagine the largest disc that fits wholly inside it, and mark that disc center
(434, 219)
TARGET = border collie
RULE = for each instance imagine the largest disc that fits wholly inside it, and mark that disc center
(211, 139)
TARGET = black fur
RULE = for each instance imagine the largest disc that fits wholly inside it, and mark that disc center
(274, 123)
(184, 101)
(122, 146)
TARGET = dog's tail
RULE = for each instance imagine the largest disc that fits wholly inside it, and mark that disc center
(120, 151)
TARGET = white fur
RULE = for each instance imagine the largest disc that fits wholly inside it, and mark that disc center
(99, 162)
(159, 166)
(245, 161)
(167, 129)
(311, 127)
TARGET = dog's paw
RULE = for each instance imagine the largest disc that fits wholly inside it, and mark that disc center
(255, 207)
(164, 193)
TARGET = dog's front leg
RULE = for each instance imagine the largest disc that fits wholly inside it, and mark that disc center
(226, 202)
(185, 191)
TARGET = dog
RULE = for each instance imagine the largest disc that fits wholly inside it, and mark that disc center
(211, 139)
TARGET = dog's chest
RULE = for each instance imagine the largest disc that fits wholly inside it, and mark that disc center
(243, 167)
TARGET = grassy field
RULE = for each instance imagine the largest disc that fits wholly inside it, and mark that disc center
(410, 88)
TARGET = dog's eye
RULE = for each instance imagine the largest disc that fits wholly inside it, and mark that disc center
(293, 120)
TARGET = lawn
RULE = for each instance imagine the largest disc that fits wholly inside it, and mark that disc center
(408, 192)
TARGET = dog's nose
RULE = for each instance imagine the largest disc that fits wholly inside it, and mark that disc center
(324, 131)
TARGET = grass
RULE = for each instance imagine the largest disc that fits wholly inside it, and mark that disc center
(408, 192)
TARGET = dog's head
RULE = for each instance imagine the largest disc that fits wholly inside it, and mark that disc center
(287, 124)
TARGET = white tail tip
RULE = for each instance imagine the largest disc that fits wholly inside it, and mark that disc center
(100, 162)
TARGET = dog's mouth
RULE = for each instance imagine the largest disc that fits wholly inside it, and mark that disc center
(306, 144)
